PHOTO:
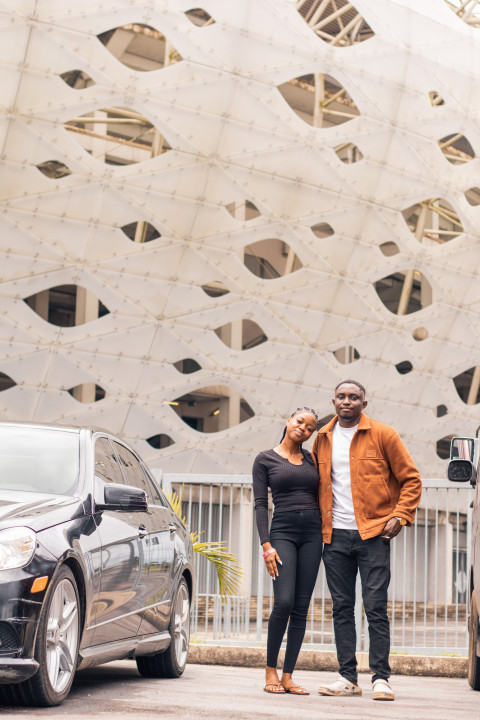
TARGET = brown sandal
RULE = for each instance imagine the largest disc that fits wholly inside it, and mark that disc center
(277, 686)
(296, 690)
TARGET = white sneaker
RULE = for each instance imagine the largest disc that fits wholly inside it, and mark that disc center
(340, 687)
(381, 690)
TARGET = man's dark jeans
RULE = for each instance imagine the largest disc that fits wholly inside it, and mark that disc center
(343, 557)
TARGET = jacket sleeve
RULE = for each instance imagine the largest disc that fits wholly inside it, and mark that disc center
(315, 451)
(407, 475)
(260, 493)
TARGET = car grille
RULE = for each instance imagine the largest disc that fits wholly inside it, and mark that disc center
(9, 641)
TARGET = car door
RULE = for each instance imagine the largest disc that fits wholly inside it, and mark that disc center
(164, 560)
(161, 526)
(124, 556)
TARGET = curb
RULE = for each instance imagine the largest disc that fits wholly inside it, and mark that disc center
(320, 660)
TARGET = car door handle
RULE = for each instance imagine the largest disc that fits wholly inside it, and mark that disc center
(142, 531)
(172, 527)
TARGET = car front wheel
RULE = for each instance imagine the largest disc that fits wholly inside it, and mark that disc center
(473, 658)
(171, 662)
(56, 647)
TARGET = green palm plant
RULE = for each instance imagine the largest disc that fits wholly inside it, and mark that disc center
(225, 562)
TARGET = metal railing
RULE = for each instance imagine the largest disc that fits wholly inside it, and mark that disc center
(428, 589)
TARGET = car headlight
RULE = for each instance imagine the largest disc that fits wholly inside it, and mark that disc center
(17, 546)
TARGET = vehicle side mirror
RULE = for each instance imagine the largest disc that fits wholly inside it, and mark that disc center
(463, 463)
(460, 471)
(123, 498)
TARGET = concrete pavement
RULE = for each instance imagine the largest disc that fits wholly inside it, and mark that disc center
(207, 692)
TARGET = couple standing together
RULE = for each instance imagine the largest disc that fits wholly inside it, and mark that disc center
(353, 493)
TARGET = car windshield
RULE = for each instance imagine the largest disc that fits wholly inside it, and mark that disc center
(39, 460)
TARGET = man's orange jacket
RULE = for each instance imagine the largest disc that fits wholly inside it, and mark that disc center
(385, 480)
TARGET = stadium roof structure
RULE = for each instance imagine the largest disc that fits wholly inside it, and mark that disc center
(212, 214)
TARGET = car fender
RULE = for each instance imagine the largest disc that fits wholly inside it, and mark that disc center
(184, 550)
(78, 544)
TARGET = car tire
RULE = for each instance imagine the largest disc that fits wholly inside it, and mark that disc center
(56, 646)
(171, 662)
(473, 658)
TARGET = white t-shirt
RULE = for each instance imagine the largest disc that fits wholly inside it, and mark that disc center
(343, 515)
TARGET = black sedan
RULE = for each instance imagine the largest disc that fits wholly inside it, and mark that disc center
(94, 563)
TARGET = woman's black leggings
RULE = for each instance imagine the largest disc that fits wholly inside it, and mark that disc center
(297, 537)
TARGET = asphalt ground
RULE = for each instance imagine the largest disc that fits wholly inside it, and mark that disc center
(209, 692)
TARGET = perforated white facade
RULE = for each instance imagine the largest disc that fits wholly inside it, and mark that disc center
(230, 138)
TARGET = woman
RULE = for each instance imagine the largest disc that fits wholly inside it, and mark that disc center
(293, 548)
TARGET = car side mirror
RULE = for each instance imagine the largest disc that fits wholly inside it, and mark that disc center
(463, 463)
(123, 498)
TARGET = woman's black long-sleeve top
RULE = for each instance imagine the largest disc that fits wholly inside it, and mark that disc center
(293, 487)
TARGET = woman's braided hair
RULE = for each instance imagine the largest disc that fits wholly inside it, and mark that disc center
(300, 409)
(310, 410)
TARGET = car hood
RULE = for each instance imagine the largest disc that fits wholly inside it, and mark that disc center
(36, 510)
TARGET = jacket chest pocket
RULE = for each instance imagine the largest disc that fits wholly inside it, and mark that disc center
(370, 452)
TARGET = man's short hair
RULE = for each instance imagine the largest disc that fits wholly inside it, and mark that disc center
(352, 382)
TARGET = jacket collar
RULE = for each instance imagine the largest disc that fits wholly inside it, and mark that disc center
(364, 424)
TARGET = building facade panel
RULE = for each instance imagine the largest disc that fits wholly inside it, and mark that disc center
(212, 215)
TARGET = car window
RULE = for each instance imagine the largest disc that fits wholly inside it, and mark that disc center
(158, 496)
(106, 465)
(39, 460)
(132, 470)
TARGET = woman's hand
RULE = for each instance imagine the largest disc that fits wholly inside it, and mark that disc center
(271, 560)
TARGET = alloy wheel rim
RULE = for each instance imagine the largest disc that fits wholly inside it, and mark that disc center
(62, 635)
(181, 625)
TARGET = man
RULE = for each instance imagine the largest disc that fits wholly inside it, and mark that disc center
(369, 488)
